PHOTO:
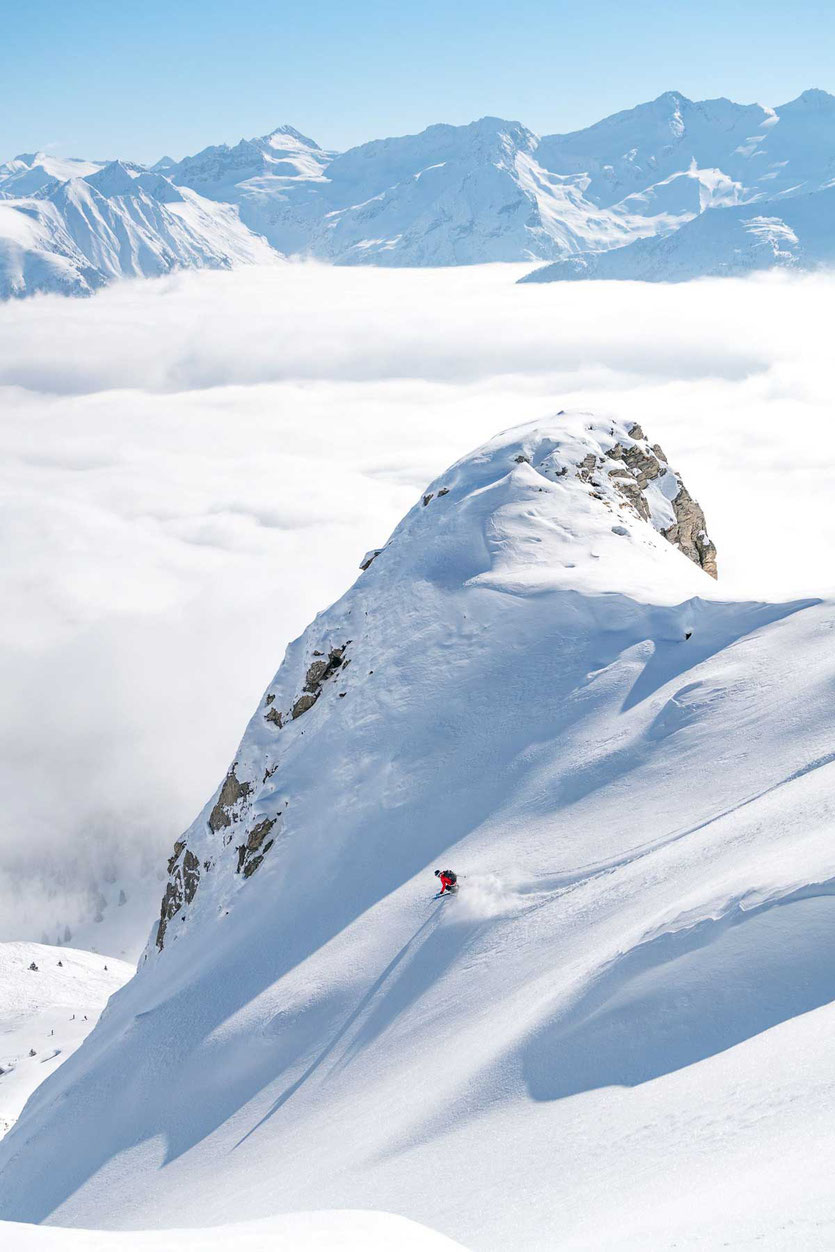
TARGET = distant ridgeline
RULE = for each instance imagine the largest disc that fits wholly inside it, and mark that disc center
(625, 198)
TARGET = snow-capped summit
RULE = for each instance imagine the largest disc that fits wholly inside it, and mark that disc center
(32, 173)
(222, 172)
(575, 504)
(114, 179)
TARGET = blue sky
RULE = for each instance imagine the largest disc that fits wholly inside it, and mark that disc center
(104, 78)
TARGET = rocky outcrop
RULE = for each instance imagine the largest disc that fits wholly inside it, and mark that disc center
(252, 853)
(232, 793)
(231, 808)
(644, 482)
(321, 668)
(690, 534)
(184, 866)
(183, 877)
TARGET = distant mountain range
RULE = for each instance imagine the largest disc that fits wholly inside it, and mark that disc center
(671, 189)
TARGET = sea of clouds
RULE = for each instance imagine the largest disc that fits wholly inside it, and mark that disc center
(193, 467)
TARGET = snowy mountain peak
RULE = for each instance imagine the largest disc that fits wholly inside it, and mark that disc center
(813, 99)
(115, 179)
(278, 138)
(575, 503)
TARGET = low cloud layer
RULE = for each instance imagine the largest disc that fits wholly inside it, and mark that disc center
(193, 467)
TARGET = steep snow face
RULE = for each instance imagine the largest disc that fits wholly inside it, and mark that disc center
(50, 1000)
(119, 222)
(580, 504)
(531, 684)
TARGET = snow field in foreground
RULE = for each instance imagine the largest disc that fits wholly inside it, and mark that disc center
(297, 1232)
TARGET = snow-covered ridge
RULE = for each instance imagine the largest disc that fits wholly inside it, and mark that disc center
(607, 495)
(116, 221)
(451, 195)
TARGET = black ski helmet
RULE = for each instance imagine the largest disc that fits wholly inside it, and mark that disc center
(437, 873)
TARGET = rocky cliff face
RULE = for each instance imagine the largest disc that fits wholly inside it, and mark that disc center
(605, 496)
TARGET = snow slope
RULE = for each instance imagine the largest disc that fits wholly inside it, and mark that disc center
(117, 222)
(48, 1011)
(620, 1032)
(299, 1232)
(793, 234)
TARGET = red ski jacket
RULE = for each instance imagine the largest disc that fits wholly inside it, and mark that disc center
(446, 883)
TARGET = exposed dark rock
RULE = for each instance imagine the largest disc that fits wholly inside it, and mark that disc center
(269, 699)
(251, 866)
(180, 888)
(637, 468)
(318, 672)
(252, 850)
(315, 674)
(275, 718)
(364, 564)
(427, 498)
(231, 793)
(689, 532)
(586, 467)
(444, 491)
(191, 875)
(304, 703)
(175, 856)
(259, 833)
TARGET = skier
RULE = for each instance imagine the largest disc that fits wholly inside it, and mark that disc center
(449, 881)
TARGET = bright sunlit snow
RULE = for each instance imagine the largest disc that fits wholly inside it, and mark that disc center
(619, 1032)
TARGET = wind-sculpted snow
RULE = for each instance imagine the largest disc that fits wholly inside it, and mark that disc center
(450, 195)
(528, 683)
